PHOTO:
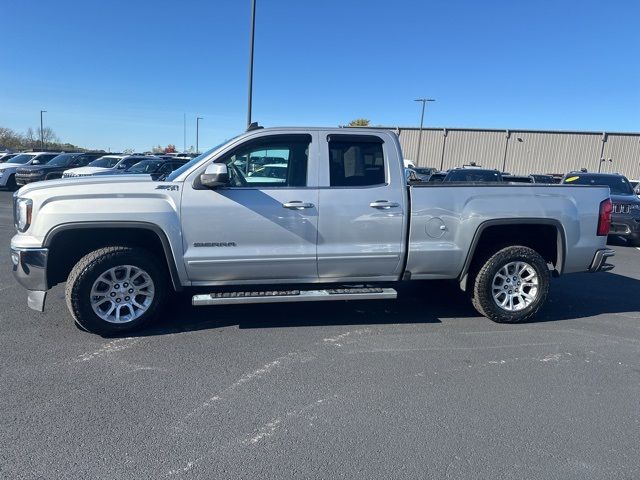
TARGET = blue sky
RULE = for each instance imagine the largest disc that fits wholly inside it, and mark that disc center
(120, 74)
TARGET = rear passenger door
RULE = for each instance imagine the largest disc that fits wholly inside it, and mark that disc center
(362, 209)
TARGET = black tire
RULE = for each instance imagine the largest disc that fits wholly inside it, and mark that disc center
(11, 183)
(482, 297)
(93, 265)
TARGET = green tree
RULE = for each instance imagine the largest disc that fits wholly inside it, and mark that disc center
(359, 122)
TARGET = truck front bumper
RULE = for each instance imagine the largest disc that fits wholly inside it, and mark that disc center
(599, 260)
(625, 226)
(30, 270)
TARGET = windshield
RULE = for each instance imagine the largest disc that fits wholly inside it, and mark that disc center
(145, 166)
(22, 158)
(105, 162)
(191, 163)
(618, 185)
(61, 160)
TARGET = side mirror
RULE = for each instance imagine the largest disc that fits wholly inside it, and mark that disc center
(121, 166)
(35, 162)
(215, 175)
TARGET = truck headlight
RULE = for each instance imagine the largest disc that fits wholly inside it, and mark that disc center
(22, 210)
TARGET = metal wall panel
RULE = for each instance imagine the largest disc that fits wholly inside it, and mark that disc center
(624, 152)
(528, 151)
(486, 148)
(430, 151)
(542, 152)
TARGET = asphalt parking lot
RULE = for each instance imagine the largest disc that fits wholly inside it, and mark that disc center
(419, 388)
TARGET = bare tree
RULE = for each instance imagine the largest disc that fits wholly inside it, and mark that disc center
(48, 135)
(9, 139)
(30, 138)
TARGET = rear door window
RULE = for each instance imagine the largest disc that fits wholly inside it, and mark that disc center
(356, 161)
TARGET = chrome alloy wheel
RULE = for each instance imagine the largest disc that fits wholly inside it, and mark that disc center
(122, 294)
(515, 286)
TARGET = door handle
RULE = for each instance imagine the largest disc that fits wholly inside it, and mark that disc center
(383, 204)
(297, 205)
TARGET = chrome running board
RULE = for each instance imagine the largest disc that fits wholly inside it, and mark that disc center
(281, 296)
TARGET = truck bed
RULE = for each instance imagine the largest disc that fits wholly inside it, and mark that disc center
(447, 219)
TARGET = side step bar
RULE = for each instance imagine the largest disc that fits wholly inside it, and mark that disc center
(279, 296)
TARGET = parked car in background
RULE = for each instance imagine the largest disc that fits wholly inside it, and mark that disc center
(270, 173)
(540, 178)
(517, 178)
(437, 177)
(411, 175)
(104, 164)
(8, 169)
(6, 156)
(409, 163)
(473, 175)
(625, 214)
(424, 173)
(55, 167)
(158, 168)
(186, 156)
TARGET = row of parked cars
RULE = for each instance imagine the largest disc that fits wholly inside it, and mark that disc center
(474, 173)
(17, 169)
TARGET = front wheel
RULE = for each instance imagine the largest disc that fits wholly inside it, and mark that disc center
(11, 183)
(512, 285)
(115, 289)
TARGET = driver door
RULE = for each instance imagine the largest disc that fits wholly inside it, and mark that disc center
(262, 226)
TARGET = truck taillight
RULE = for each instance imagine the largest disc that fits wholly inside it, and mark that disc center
(604, 217)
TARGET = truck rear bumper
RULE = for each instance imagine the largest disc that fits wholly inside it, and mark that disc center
(30, 271)
(599, 260)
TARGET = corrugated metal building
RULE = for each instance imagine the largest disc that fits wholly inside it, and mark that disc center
(524, 151)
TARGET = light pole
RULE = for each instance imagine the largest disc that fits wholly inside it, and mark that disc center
(41, 130)
(184, 132)
(424, 103)
(197, 132)
(253, 29)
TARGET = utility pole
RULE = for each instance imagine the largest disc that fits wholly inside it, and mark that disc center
(41, 130)
(253, 29)
(198, 132)
(424, 103)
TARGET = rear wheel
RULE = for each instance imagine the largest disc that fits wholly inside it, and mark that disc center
(512, 285)
(115, 289)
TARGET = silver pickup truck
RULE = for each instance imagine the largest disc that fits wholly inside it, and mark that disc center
(298, 214)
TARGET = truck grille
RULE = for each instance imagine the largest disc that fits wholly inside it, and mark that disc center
(621, 208)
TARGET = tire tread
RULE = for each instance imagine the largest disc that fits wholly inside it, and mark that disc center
(486, 306)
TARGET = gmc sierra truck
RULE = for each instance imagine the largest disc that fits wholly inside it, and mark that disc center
(298, 214)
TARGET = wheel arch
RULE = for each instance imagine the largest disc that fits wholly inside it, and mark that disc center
(515, 230)
(83, 237)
